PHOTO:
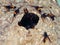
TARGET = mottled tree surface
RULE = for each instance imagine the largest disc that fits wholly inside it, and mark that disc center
(45, 32)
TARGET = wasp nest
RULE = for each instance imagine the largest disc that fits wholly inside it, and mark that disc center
(29, 22)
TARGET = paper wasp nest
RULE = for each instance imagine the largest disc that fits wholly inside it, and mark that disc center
(45, 32)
